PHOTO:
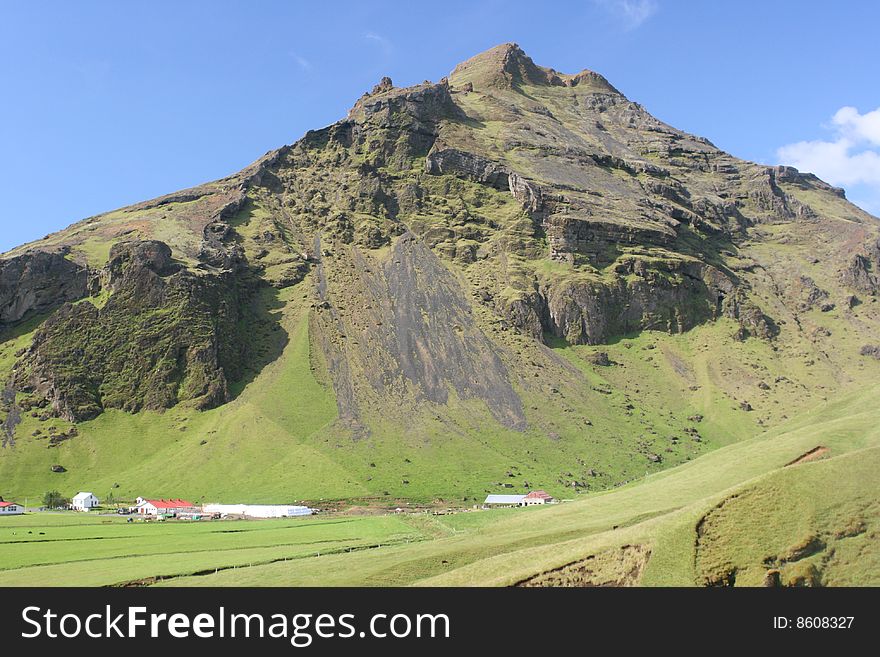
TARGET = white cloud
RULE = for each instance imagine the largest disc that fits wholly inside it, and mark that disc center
(379, 40)
(631, 12)
(858, 127)
(850, 158)
(302, 62)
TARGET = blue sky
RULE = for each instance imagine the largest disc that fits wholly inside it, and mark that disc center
(107, 103)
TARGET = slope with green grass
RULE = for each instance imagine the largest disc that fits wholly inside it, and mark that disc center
(511, 279)
(750, 513)
(770, 512)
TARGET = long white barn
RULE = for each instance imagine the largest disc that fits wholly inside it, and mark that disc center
(504, 500)
(258, 510)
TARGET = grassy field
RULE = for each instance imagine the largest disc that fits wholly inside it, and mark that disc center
(65, 549)
(734, 516)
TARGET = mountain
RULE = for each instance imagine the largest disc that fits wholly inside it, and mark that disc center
(512, 278)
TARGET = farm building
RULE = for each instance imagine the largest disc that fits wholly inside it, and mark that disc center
(532, 499)
(504, 500)
(84, 502)
(147, 507)
(537, 497)
(10, 509)
(259, 510)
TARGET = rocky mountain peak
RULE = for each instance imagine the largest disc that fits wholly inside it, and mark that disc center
(385, 84)
(503, 66)
(507, 66)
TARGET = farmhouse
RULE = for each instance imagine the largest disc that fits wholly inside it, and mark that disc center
(84, 502)
(10, 509)
(258, 510)
(147, 507)
(504, 500)
(537, 497)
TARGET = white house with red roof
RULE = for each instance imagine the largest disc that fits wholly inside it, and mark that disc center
(10, 509)
(537, 497)
(147, 507)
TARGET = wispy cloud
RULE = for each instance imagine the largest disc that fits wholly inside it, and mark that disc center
(301, 61)
(631, 13)
(850, 158)
(383, 43)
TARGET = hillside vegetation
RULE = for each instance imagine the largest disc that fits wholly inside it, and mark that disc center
(770, 510)
(510, 279)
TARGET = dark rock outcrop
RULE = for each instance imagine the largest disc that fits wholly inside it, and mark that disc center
(467, 165)
(862, 273)
(38, 282)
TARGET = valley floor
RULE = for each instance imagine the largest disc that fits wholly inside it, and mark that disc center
(772, 510)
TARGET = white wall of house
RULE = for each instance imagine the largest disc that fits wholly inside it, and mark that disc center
(84, 501)
(11, 510)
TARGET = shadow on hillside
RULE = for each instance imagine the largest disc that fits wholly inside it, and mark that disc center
(263, 339)
(17, 329)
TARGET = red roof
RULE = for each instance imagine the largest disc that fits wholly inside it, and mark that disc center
(539, 494)
(170, 504)
(3, 505)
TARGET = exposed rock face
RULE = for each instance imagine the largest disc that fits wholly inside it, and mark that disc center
(674, 301)
(164, 336)
(467, 165)
(447, 352)
(37, 282)
(507, 66)
(13, 416)
(396, 124)
(808, 293)
(598, 239)
(863, 272)
(385, 84)
(140, 263)
(600, 358)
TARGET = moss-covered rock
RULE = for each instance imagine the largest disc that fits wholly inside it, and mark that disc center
(165, 335)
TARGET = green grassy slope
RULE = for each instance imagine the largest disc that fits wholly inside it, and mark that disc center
(738, 510)
(661, 512)
(676, 396)
(155, 452)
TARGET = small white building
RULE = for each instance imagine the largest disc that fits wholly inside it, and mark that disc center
(504, 500)
(10, 509)
(84, 502)
(258, 510)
